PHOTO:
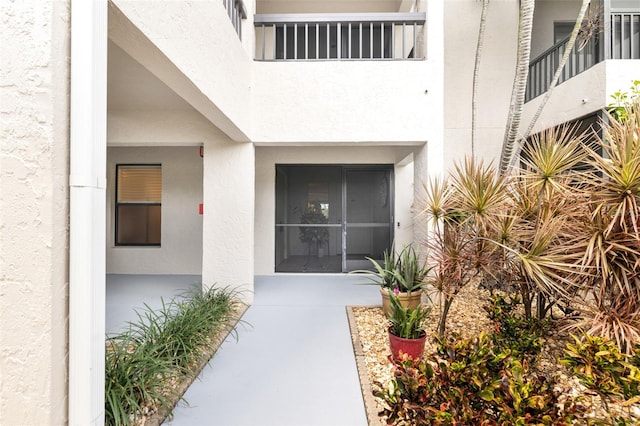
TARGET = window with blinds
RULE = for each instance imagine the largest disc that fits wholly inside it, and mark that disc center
(138, 204)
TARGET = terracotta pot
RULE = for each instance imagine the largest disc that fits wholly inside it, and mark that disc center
(407, 300)
(412, 347)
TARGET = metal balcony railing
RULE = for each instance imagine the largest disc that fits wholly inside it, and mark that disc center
(340, 36)
(236, 12)
(625, 35)
(542, 69)
(621, 41)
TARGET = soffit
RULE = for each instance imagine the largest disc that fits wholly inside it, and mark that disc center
(132, 86)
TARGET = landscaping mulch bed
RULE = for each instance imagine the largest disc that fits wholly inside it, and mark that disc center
(468, 319)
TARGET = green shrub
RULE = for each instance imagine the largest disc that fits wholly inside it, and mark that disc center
(523, 336)
(600, 366)
(161, 345)
(470, 383)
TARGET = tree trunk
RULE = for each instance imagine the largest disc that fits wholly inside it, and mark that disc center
(442, 324)
(519, 83)
(556, 76)
(476, 71)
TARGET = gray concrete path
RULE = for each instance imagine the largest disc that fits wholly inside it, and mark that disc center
(127, 294)
(293, 366)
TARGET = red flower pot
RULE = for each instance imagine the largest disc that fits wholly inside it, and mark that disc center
(412, 347)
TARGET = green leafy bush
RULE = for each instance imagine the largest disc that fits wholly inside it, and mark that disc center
(523, 336)
(470, 383)
(600, 366)
(162, 345)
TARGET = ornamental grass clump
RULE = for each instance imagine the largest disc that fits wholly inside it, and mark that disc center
(158, 350)
(134, 381)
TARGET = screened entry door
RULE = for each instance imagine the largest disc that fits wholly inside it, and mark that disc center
(331, 218)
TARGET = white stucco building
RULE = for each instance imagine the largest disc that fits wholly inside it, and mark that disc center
(196, 137)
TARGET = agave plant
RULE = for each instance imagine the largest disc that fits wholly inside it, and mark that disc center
(403, 270)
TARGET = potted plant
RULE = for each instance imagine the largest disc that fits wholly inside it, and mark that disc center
(314, 236)
(406, 332)
(403, 273)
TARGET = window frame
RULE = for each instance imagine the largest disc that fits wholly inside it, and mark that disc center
(118, 204)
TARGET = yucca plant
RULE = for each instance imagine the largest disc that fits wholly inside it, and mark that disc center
(410, 271)
(612, 238)
(538, 239)
(383, 272)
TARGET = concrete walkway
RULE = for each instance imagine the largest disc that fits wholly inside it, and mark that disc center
(127, 294)
(293, 366)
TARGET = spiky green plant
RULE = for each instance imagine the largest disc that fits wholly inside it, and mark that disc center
(134, 379)
(163, 344)
(612, 239)
(464, 215)
(407, 323)
(403, 270)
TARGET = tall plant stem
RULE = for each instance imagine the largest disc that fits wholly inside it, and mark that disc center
(442, 324)
(519, 82)
(476, 72)
(554, 81)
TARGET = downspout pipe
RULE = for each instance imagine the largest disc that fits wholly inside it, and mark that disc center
(87, 206)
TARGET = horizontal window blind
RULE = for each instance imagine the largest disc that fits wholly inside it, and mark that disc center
(139, 184)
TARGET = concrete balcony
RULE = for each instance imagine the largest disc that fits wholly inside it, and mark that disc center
(339, 36)
(319, 77)
(598, 66)
(619, 39)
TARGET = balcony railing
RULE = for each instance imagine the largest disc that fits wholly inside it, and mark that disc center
(621, 42)
(542, 69)
(625, 35)
(341, 36)
(236, 12)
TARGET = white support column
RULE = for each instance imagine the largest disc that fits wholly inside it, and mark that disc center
(87, 211)
(228, 222)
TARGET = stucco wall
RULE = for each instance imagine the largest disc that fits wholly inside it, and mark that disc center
(497, 68)
(581, 95)
(159, 127)
(268, 157)
(34, 193)
(227, 258)
(181, 238)
(192, 47)
(334, 101)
